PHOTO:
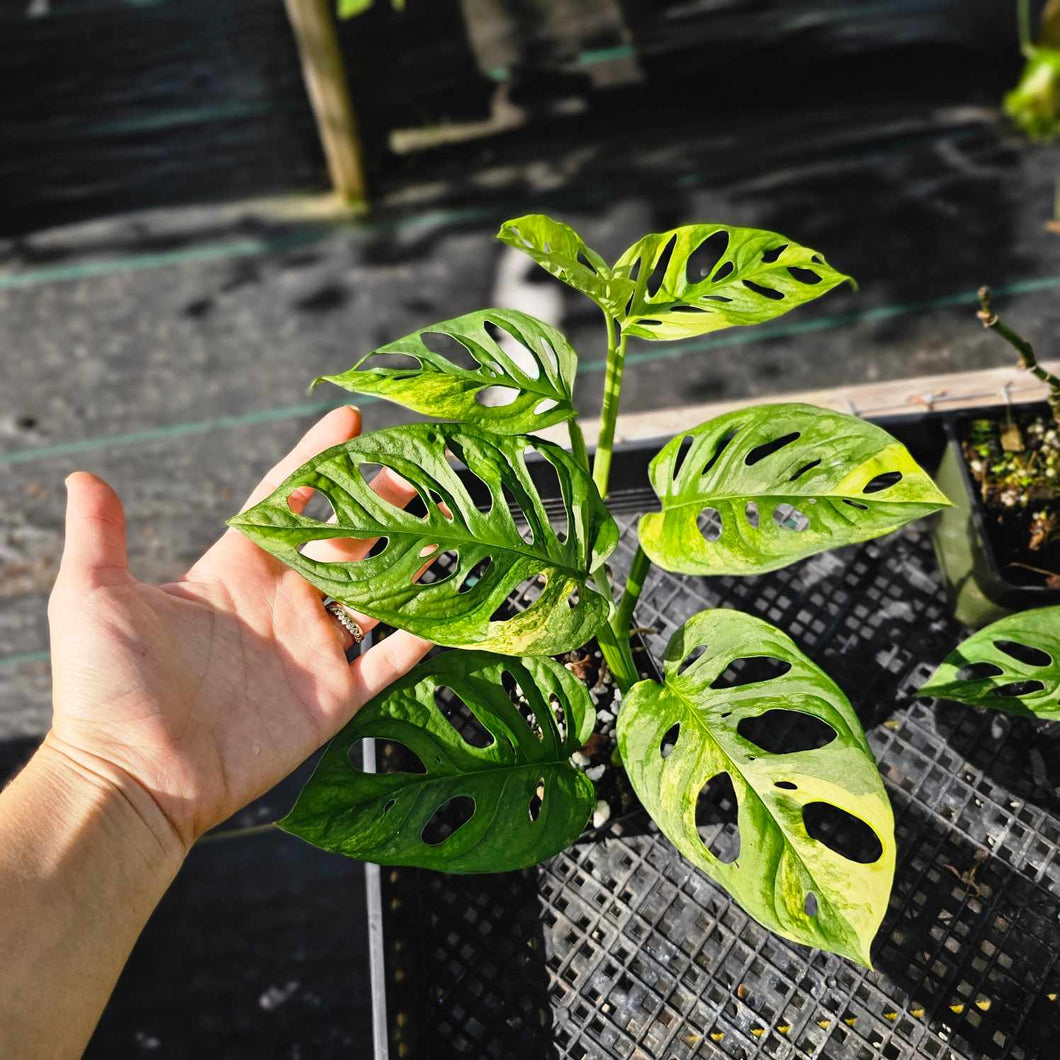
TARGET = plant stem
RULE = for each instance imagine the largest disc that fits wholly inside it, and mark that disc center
(577, 442)
(616, 650)
(616, 356)
(1027, 358)
(634, 583)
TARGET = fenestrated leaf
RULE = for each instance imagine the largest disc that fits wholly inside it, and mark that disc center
(1011, 665)
(529, 801)
(455, 610)
(779, 866)
(742, 276)
(783, 482)
(556, 247)
(534, 366)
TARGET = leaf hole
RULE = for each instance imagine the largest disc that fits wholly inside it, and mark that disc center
(428, 550)
(856, 504)
(847, 835)
(521, 598)
(389, 805)
(765, 292)
(390, 755)
(882, 482)
(475, 575)
(810, 905)
(451, 348)
(717, 818)
(714, 298)
(449, 818)
(495, 397)
(750, 513)
(669, 740)
(658, 274)
(788, 517)
(807, 276)
(750, 670)
(390, 362)
(478, 490)
(520, 352)
(689, 309)
(702, 261)
(771, 255)
(552, 482)
(462, 718)
(335, 550)
(786, 785)
(760, 452)
(978, 671)
(537, 800)
(545, 405)
(583, 260)
(709, 523)
(515, 693)
(722, 273)
(438, 569)
(779, 732)
(379, 546)
(1017, 688)
(691, 658)
(720, 447)
(573, 600)
(682, 452)
(560, 715)
(1024, 653)
(649, 323)
(805, 467)
(318, 507)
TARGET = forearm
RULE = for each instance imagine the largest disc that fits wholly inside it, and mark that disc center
(84, 858)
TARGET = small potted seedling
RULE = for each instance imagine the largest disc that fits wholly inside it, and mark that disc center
(492, 736)
(999, 546)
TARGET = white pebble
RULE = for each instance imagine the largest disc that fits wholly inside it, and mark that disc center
(579, 760)
(595, 772)
(602, 814)
(605, 716)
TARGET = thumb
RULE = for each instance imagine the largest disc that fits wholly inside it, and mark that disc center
(94, 551)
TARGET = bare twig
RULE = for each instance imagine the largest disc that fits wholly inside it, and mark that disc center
(1028, 360)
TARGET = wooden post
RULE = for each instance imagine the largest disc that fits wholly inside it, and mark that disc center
(325, 80)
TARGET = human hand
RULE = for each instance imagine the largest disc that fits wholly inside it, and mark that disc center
(203, 693)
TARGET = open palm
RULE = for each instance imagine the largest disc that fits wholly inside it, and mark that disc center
(209, 690)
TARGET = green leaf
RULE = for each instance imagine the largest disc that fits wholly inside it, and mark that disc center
(491, 556)
(531, 371)
(743, 276)
(556, 247)
(529, 801)
(1011, 665)
(779, 864)
(762, 487)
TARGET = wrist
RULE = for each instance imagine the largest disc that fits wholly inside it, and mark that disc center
(90, 791)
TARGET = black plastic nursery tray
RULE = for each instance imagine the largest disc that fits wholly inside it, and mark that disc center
(618, 948)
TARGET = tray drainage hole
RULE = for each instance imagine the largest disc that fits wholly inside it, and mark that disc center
(709, 523)
(669, 740)
(450, 817)
(717, 821)
(1024, 653)
(810, 905)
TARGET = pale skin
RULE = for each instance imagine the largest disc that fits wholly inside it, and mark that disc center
(173, 707)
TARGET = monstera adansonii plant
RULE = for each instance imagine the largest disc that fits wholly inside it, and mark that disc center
(746, 492)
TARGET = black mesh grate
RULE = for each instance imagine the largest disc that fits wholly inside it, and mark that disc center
(618, 948)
